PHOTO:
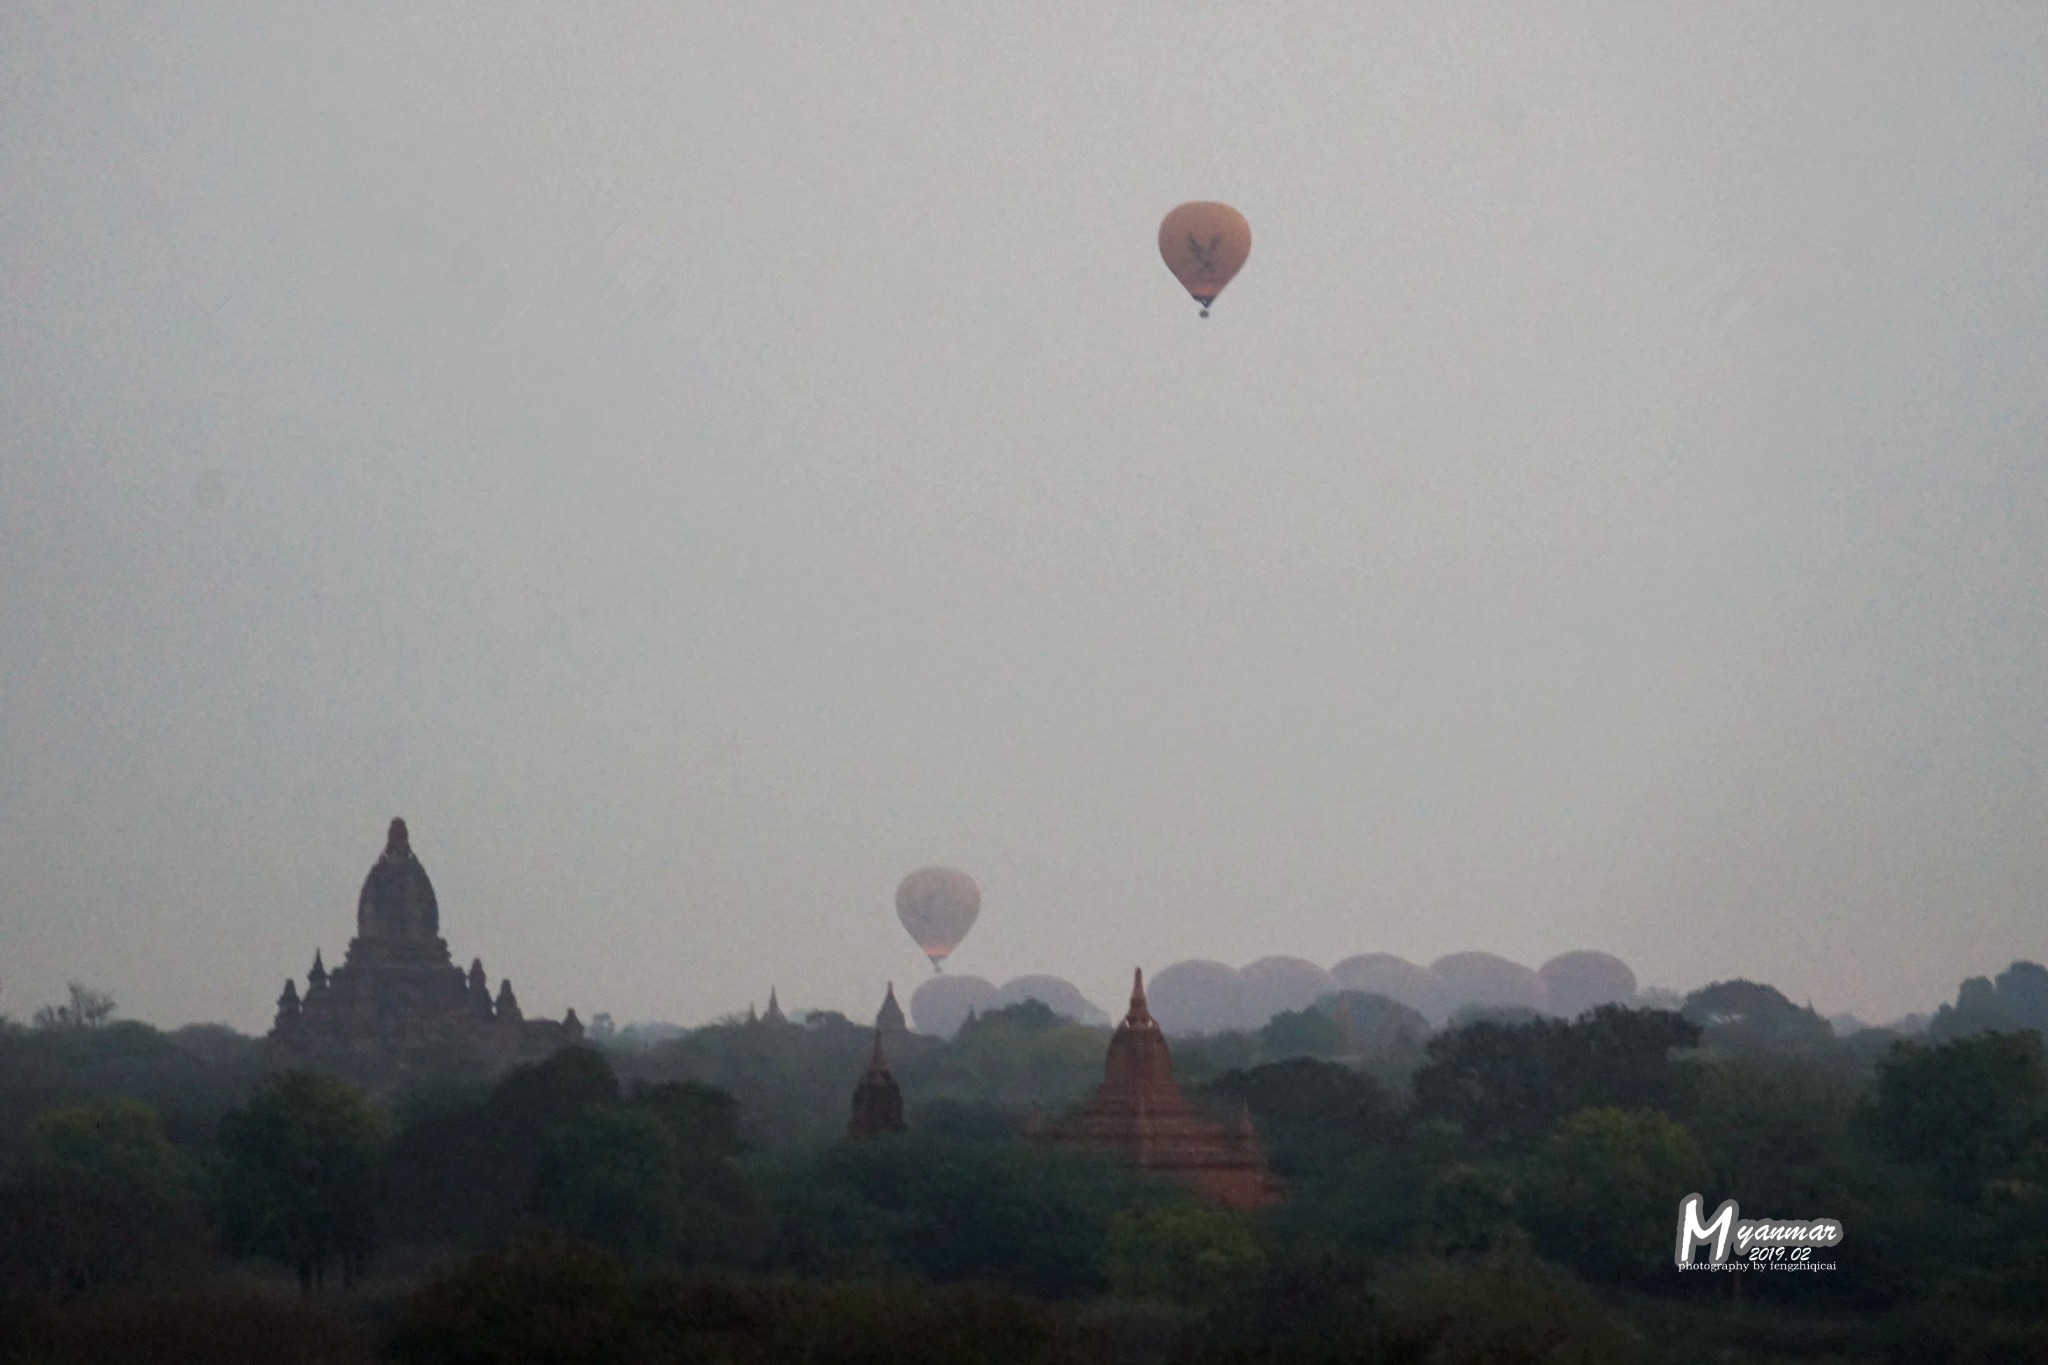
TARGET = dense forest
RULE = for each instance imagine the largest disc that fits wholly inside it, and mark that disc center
(1504, 1189)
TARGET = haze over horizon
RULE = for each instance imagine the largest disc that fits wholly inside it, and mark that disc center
(699, 463)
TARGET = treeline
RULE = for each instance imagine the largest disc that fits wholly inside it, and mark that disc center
(1503, 1190)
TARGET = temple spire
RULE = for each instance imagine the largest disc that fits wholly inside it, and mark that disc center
(1140, 1113)
(890, 1016)
(1140, 1015)
(877, 1100)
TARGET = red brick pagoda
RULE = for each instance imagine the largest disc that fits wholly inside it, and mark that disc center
(1140, 1112)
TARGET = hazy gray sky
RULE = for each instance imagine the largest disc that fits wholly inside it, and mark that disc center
(699, 462)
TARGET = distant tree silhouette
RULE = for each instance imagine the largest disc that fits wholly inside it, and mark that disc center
(1599, 1193)
(1512, 1082)
(302, 1173)
(87, 1008)
(1750, 1014)
(1309, 1113)
(2018, 999)
(1974, 1110)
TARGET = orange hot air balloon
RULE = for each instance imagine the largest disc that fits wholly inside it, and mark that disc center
(1204, 245)
(938, 906)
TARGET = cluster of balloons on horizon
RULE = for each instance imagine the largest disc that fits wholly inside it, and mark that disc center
(1209, 997)
(1205, 244)
(937, 906)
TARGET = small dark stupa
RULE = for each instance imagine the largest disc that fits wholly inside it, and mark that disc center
(877, 1100)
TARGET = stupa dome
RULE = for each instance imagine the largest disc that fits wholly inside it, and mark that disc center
(397, 900)
(1138, 1055)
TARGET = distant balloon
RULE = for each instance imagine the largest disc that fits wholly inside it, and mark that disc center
(1059, 996)
(1204, 244)
(938, 906)
(1197, 997)
(1491, 982)
(1370, 1022)
(1398, 979)
(1586, 980)
(1276, 984)
(942, 1004)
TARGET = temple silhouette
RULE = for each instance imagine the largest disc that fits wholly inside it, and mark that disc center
(1139, 1112)
(877, 1099)
(398, 989)
(889, 1018)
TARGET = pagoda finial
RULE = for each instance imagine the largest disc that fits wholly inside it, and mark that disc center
(774, 1014)
(878, 1060)
(890, 1016)
(1141, 1013)
(397, 843)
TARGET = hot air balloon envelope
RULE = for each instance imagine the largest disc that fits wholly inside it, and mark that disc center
(940, 1006)
(938, 905)
(1418, 988)
(1060, 996)
(1204, 244)
(1274, 984)
(1586, 980)
(1491, 982)
(1197, 996)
